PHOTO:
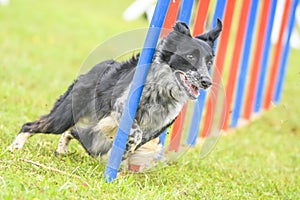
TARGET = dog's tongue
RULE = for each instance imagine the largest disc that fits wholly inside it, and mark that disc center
(194, 90)
(196, 93)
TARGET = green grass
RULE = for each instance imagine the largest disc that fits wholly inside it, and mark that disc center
(42, 46)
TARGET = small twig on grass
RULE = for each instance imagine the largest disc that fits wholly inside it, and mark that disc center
(49, 168)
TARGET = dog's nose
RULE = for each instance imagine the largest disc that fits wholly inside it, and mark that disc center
(206, 82)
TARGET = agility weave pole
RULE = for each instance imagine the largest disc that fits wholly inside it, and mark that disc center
(135, 92)
(235, 60)
(170, 17)
(255, 67)
(285, 54)
(270, 90)
(244, 65)
(265, 59)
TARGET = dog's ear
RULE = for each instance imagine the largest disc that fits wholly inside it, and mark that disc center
(170, 43)
(212, 35)
(181, 27)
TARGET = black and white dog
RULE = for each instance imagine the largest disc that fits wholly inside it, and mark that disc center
(90, 109)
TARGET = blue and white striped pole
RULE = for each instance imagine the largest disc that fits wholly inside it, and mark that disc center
(135, 92)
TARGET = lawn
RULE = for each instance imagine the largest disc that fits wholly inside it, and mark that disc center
(42, 46)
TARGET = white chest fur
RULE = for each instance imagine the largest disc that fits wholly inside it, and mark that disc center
(162, 98)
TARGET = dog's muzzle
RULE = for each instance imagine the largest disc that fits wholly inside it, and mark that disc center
(206, 82)
(192, 82)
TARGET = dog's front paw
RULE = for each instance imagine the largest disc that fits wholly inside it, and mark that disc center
(131, 144)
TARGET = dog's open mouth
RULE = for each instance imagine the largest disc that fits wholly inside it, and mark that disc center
(191, 90)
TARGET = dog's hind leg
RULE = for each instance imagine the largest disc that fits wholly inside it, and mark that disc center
(28, 129)
(63, 143)
(57, 121)
(46, 124)
(18, 143)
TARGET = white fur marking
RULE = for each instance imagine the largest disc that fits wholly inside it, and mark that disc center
(64, 143)
(18, 143)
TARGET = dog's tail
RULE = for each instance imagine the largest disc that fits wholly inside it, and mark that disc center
(58, 120)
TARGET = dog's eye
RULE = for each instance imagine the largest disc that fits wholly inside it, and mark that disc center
(209, 64)
(190, 57)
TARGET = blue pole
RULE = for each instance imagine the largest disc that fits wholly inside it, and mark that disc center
(162, 139)
(186, 11)
(265, 60)
(286, 51)
(135, 92)
(199, 105)
(242, 77)
(184, 16)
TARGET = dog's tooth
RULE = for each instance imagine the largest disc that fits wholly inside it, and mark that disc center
(182, 76)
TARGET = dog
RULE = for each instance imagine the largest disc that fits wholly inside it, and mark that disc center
(91, 108)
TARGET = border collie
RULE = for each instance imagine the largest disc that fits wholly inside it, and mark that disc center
(90, 109)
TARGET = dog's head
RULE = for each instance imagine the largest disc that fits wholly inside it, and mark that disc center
(190, 58)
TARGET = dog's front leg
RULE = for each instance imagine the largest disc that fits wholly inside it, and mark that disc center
(134, 139)
(135, 135)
